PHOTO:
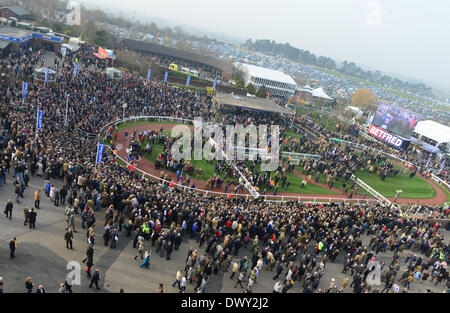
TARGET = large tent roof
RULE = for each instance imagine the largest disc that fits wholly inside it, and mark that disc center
(267, 73)
(252, 103)
(433, 130)
(319, 93)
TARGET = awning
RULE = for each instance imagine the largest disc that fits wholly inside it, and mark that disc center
(4, 44)
(100, 56)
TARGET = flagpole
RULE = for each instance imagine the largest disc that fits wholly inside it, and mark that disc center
(67, 102)
(96, 155)
(37, 121)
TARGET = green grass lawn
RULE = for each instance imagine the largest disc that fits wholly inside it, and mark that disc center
(293, 134)
(446, 192)
(208, 168)
(414, 188)
(131, 124)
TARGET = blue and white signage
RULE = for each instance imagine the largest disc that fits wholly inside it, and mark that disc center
(46, 74)
(40, 115)
(24, 90)
(100, 149)
(188, 80)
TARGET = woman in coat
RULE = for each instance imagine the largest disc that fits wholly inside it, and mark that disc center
(29, 284)
(146, 262)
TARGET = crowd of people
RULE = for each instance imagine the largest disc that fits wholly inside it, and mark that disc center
(293, 239)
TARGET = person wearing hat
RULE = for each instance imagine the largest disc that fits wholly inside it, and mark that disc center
(95, 278)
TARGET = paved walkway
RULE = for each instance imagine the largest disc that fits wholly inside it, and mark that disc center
(42, 254)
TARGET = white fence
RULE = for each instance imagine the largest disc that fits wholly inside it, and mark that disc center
(302, 198)
(372, 191)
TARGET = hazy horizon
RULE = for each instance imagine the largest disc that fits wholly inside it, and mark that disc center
(403, 37)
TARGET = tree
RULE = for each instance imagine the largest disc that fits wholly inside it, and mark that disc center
(102, 38)
(240, 83)
(363, 98)
(262, 92)
(250, 89)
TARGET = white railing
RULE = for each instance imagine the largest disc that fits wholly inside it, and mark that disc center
(372, 191)
(312, 199)
(265, 197)
(230, 162)
(365, 135)
(300, 156)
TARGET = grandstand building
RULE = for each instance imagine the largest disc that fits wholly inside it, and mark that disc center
(170, 55)
(276, 82)
(432, 137)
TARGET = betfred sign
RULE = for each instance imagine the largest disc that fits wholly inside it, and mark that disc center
(385, 136)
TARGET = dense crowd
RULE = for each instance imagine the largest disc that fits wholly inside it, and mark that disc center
(293, 239)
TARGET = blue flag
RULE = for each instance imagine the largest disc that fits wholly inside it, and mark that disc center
(165, 77)
(188, 80)
(442, 166)
(75, 70)
(214, 86)
(40, 114)
(149, 73)
(100, 149)
(46, 75)
(24, 90)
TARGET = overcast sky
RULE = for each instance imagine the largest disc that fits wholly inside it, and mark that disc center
(408, 37)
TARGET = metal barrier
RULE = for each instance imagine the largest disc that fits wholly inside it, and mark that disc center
(363, 134)
(146, 175)
(370, 190)
(300, 156)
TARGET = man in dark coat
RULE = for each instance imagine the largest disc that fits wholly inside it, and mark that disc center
(68, 237)
(94, 280)
(9, 208)
(32, 218)
(12, 247)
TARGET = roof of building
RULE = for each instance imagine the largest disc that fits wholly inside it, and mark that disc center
(252, 103)
(176, 53)
(319, 93)
(433, 130)
(14, 32)
(266, 73)
(4, 44)
(18, 10)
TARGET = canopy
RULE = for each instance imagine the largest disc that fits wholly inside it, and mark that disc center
(100, 56)
(319, 93)
(433, 130)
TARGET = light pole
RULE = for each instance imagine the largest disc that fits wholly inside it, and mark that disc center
(124, 106)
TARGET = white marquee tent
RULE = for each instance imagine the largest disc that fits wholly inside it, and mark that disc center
(319, 93)
(433, 130)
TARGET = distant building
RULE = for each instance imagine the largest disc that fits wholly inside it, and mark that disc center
(182, 58)
(13, 38)
(15, 11)
(307, 94)
(74, 16)
(277, 83)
